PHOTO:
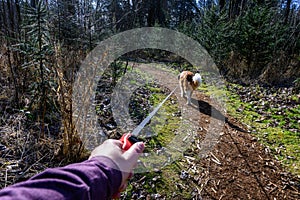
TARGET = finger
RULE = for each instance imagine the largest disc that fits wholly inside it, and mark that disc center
(123, 187)
(117, 195)
(115, 142)
(133, 153)
(130, 175)
(106, 147)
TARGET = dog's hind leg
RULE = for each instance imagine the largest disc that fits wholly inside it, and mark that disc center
(188, 95)
(181, 88)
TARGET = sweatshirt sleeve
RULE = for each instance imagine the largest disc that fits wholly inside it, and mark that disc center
(97, 178)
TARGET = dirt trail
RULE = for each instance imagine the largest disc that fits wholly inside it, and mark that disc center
(238, 166)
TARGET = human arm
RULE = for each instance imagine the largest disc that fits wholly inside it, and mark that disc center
(100, 177)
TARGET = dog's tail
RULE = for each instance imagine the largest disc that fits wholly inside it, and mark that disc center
(197, 79)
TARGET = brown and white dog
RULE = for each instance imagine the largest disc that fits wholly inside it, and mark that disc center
(188, 82)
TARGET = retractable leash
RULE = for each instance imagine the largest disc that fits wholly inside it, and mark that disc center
(128, 139)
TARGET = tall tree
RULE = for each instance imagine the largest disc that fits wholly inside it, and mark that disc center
(222, 4)
(157, 13)
(287, 11)
(11, 19)
(36, 47)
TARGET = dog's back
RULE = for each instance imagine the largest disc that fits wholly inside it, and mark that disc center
(188, 82)
(187, 75)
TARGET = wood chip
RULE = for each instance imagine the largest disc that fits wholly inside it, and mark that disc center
(190, 158)
(213, 189)
(215, 159)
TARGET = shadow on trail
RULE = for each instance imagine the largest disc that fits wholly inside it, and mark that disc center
(211, 111)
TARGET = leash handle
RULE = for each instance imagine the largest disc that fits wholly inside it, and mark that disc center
(128, 140)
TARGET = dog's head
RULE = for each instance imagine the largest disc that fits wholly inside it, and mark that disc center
(189, 77)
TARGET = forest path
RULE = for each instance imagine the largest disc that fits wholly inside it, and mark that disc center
(237, 166)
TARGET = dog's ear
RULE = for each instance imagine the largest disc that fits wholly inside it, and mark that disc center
(189, 78)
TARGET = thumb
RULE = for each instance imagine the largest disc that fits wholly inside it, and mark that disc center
(133, 153)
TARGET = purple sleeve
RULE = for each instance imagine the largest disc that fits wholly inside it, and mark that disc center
(97, 178)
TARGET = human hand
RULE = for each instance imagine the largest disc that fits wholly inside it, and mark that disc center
(126, 160)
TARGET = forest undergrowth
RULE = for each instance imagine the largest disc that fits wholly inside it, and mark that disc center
(254, 44)
(270, 114)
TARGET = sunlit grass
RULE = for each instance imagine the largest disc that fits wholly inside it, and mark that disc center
(284, 144)
(163, 128)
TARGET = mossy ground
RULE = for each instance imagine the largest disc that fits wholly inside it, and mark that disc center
(163, 182)
(283, 143)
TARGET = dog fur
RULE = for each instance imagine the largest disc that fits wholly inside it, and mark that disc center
(188, 82)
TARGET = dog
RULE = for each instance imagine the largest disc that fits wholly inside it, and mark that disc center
(188, 82)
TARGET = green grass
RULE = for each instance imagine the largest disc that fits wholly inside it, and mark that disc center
(284, 144)
(165, 183)
(164, 125)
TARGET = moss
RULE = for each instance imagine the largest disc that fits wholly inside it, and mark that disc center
(164, 125)
(284, 144)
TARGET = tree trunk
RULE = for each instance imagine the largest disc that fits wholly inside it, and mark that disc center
(222, 5)
(156, 12)
(287, 11)
(33, 3)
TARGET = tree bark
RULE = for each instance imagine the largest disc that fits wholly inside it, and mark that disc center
(287, 11)
(222, 5)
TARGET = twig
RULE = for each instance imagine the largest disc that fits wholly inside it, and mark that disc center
(215, 159)
(5, 183)
(33, 165)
